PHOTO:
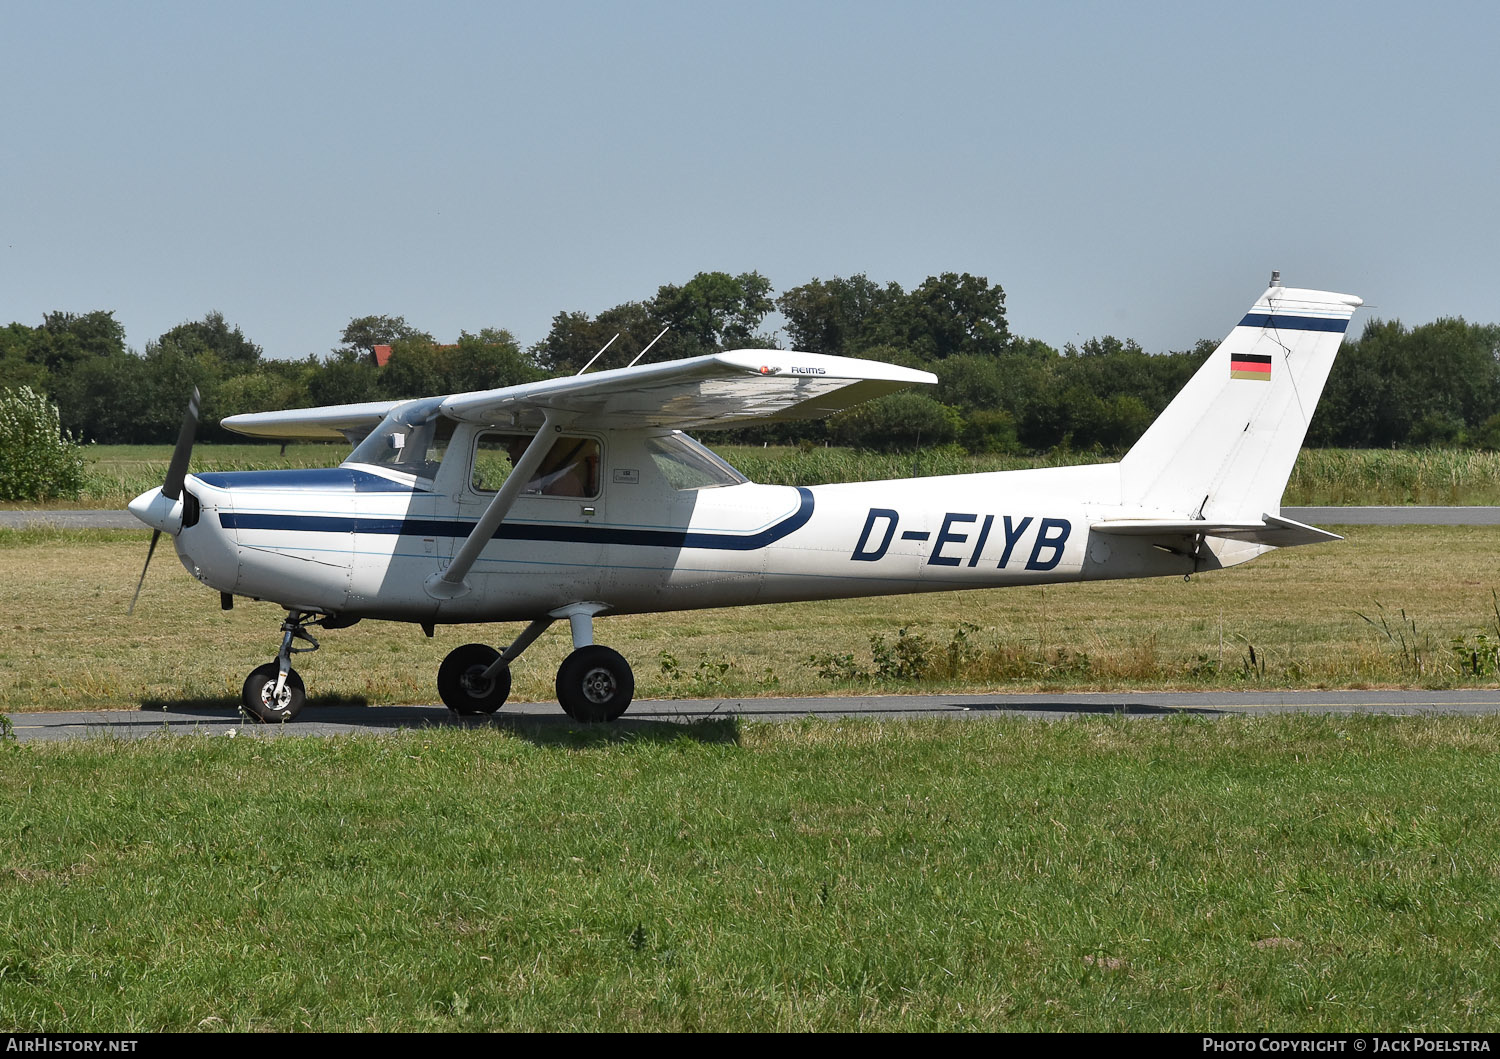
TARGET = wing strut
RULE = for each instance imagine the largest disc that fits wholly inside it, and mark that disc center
(449, 583)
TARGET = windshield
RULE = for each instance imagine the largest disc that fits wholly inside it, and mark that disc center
(685, 464)
(398, 444)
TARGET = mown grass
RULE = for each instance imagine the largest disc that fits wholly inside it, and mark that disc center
(117, 473)
(1292, 618)
(1272, 873)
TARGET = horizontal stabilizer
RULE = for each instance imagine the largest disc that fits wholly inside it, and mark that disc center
(1273, 530)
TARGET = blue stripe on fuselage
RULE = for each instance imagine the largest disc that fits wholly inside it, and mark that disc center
(1294, 323)
(575, 534)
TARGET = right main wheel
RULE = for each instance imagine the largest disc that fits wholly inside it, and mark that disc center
(462, 685)
(595, 684)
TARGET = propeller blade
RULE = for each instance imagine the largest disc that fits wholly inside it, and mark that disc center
(155, 534)
(176, 475)
(177, 469)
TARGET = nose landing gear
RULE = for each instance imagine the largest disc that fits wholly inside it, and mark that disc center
(274, 693)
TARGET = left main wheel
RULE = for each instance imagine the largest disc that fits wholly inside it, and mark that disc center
(462, 685)
(260, 701)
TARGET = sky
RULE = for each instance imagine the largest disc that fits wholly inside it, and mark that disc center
(1135, 169)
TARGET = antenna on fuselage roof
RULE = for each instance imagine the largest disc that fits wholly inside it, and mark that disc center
(596, 356)
(653, 342)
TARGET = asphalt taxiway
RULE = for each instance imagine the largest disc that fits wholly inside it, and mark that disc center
(226, 720)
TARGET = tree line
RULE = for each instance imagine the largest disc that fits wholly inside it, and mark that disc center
(1436, 383)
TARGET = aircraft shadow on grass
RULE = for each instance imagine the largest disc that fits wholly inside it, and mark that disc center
(1127, 709)
(354, 713)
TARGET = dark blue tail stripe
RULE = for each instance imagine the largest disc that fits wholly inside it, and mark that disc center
(1294, 323)
(579, 534)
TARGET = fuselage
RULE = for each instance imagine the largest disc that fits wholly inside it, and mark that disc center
(362, 541)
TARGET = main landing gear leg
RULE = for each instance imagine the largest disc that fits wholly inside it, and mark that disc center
(274, 693)
(594, 683)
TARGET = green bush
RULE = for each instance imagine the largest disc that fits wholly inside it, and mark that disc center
(896, 422)
(37, 460)
(1487, 435)
(990, 431)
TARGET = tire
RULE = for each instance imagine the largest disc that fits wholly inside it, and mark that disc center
(459, 684)
(255, 697)
(595, 684)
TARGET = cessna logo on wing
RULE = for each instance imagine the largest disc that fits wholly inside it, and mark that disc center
(961, 540)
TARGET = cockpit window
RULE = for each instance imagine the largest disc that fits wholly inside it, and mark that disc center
(399, 445)
(685, 464)
(570, 468)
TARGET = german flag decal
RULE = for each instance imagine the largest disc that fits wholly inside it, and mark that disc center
(1255, 366)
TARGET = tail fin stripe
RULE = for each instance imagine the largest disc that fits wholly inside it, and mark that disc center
(1295, 323)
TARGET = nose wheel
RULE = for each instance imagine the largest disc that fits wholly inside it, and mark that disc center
(264, 702)
(274, 693)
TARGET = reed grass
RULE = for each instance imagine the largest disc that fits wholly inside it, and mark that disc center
(116, 473)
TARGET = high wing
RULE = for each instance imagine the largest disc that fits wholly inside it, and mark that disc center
(326, 423)
(699, 393)
(717, 390)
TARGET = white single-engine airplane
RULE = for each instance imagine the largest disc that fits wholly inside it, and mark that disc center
(579, 497)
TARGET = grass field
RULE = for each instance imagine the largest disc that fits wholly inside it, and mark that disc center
(1296, 617)
(1274, 873)
(116, 473)
(1254, 873)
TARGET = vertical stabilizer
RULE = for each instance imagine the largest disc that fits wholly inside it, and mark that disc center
(1224, 448)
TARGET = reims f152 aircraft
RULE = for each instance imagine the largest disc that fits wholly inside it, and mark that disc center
(581, 497)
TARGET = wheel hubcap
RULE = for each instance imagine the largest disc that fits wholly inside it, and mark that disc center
(271, 700)
(599, 685)
(474, 684)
